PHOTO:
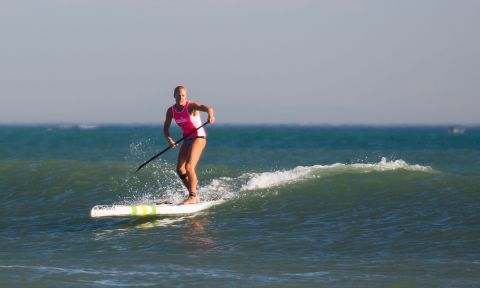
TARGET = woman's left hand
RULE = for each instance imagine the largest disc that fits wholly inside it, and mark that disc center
(211, 119)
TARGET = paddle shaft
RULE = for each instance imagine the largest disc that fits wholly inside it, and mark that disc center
(166, 149)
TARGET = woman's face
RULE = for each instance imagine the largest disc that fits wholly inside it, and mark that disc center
(181, 96)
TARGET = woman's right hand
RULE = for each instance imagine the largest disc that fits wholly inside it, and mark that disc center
(172, 143)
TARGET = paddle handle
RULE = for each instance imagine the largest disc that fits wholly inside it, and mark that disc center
(166, 149)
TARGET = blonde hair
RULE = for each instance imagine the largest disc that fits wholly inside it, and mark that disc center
(177, 90)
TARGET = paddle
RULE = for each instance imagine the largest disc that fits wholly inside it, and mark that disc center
(166, 149)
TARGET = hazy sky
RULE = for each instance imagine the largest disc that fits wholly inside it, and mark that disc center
(254, 61)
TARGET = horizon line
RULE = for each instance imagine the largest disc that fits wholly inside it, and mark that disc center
(103, 124)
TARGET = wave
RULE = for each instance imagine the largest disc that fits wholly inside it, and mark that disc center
(112, 181)
(226, 187)
(230, 187)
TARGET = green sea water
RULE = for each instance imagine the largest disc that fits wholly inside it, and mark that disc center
(305, 206)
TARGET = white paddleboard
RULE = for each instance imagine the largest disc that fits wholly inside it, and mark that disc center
(149, 209)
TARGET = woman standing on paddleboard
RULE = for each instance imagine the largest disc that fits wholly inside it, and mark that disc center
(187, 116)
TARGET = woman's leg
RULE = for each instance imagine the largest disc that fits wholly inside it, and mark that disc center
(196, 151)
(183, 156)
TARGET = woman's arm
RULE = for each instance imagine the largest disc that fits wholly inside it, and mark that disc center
(166, 127)
(204, 108)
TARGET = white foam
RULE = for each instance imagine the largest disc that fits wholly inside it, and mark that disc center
(221, 188)
(276, 178)
(271, 179)
(384, 165)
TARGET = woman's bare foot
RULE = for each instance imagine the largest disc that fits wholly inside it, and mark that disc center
(192, 199)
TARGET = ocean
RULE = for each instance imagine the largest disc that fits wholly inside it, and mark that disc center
(306, 206)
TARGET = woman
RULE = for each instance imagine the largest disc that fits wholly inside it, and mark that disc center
(186, 115)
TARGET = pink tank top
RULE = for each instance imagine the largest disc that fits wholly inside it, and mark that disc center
(188, 122)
